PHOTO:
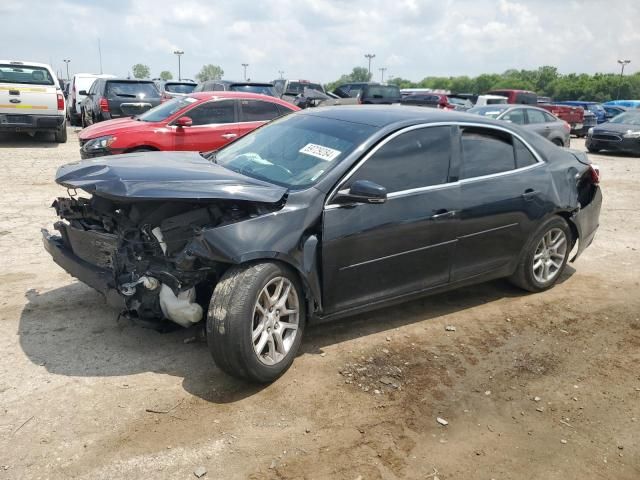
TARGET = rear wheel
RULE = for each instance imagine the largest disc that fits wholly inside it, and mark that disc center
(558, 142)
(61, 133)
(544, 257)
(256, 320)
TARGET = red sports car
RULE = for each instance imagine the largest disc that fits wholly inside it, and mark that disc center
(199, 122)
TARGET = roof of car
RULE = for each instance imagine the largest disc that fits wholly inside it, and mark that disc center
(386, 115)
(240, 82)
(244, 95)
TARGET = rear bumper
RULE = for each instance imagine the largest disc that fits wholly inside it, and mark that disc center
(23, 122)
(96, 277)
(587, 221)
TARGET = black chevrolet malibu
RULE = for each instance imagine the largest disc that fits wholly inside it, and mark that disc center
(318, 215)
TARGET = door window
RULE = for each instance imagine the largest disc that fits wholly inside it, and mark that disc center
(524, 157)
(419, 158)
(258, 111)
(515, 116)
(486, 152)
(549, 118)
(536, 116)
(212, 113)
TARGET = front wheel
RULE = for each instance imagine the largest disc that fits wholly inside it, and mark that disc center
(256, 320)
(544, 257)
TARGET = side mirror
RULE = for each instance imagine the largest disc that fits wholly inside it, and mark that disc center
(82, 92)
(364, 191)
(184, 122)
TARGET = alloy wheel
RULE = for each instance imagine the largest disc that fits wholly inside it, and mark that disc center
(549, 255)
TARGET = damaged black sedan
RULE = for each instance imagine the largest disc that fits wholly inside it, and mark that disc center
(319, 215)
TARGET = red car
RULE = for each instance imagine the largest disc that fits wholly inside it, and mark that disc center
(198, 122)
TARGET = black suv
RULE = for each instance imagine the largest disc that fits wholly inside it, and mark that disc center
(374, 93)
(263, 88)
(113, 98)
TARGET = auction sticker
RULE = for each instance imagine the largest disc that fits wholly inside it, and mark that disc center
(323, 153)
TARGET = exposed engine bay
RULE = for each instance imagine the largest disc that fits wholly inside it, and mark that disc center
(153, 248)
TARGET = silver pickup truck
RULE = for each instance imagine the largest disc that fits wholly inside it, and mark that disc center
(31, 99)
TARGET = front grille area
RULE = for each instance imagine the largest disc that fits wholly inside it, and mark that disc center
(607, 137)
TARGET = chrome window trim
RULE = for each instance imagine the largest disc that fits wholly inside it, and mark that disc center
(412, 191)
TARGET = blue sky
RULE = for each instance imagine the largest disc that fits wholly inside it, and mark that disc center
(322, 39)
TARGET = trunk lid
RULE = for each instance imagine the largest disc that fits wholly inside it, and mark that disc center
(129, 98)
(162, 176)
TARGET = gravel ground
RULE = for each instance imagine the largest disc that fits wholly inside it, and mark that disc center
(532, 386)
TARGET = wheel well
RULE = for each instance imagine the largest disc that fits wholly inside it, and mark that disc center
(140, 147)
(574, 230)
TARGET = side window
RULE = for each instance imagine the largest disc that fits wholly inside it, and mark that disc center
(419, 158)
(524, 157)
(486, 152)
(514, 116)
(282, 110)
(536, 116)
(212, 113)
(258, 111)
(549, 118)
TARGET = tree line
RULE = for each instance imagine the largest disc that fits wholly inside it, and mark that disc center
(207, 72)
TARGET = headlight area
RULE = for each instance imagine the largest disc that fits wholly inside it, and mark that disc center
(632, 134)
(99, 144)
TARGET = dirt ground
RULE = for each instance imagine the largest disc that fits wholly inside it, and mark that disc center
(542, 386)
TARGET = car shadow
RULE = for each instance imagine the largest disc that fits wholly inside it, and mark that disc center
(71, 331)
(24, 140)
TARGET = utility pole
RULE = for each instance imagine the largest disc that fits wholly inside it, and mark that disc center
(623, 63)
(67, 60)
(382, 70)
(100, 56)
(281, 72)
(245, 65)
(369, 56)
(179, 53)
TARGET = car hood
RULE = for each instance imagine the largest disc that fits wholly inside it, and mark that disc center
(164, 175)
(113, 127)
(615, 127)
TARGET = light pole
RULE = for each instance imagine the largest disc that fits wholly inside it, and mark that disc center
(382, 70)
(179, 53)
(245, 65)
(623, 63)
(281, 72)
(67, 60)
(369, 56)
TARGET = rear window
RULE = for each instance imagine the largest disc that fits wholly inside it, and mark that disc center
(25, 74)
(263, 89)
(381, 91)
(132, 90)
(296, 88)
(179, 87)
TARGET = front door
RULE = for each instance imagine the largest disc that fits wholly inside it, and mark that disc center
(214, 124)
(372, 252)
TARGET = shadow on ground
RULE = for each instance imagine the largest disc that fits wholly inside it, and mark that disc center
(71, 331)
(24, 140)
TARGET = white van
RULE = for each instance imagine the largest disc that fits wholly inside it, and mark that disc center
(491, 100)
(79, 82)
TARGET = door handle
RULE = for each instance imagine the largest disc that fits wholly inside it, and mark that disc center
(229, 135)
(443, 214)
(529, 194)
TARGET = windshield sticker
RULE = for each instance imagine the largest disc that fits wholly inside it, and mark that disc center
(190, 99)
(323, 153)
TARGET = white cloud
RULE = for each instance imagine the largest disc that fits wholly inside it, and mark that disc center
(321, 39)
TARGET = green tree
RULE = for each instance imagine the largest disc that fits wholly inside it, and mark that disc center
(360, 74)
(210, 72)
(140, 70)
(166, 75)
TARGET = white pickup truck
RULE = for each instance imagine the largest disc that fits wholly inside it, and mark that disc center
(31, 99)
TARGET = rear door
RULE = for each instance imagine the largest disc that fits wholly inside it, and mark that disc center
(537, 122)
(213, 125)
(254, 113)
(26, 90)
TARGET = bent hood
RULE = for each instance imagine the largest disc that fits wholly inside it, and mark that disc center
(163, 176)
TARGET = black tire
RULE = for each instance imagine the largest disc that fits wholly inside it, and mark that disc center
(593, 150)
(231, 317)
(558, 142)
(61, 135)
(524, 276)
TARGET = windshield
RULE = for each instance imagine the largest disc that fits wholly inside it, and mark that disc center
(595, 108)
(263, 89)
(382, 91)
(165, 110)
(25, 74)
(179, 87)
(628, 118)
(296, 88)
(294, 151)
(132, 90)
(493, 111)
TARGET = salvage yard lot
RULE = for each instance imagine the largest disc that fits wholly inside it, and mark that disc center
(532, 386)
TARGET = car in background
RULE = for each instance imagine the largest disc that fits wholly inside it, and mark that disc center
(200, 122)
(110, 98)
(574, 116)
(289, 89)
(530, 118)
(262, 88)
(620, 134)
(80, 82)
(613, 110)
(524, 97)
(370, 93)
(482, 100)
(462, 104)
(175, 88)
(594, 107)
(31, 99)
(624, 103)
(433, 100)
(317, 216)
